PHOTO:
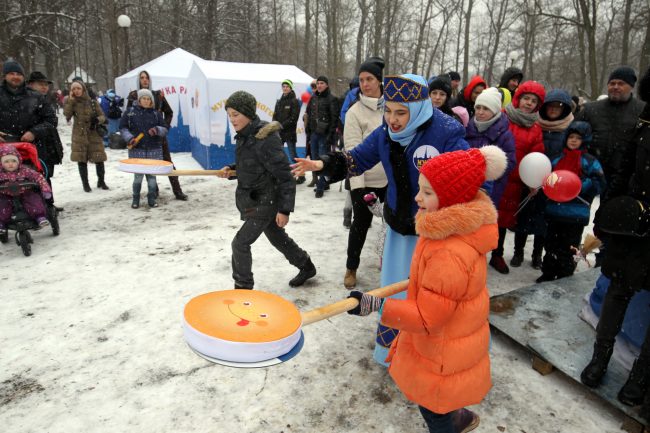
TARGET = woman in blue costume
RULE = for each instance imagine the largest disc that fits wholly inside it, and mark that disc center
(412, 132)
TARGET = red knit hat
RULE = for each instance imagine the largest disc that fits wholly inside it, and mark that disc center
(457, 176)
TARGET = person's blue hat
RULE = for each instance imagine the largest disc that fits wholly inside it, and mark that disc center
(403, 90)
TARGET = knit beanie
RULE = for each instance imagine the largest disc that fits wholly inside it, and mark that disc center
(242, 102)
(374, 66)
(289, 83)
(454, 76)
(457, 176)
(624, 73)
(145, 92)
(489, 98)
(441, 82)
(12, 66)
(644, 87)
(324, 79)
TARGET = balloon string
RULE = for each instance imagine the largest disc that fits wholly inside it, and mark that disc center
(526, 200)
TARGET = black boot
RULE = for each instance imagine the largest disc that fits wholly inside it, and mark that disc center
(136, 196)
(645, 409)
(176, 188)
(517, 259)
(595, 370)
(100, 176)
(151, 199)
(307, 271)
(83, 172)
(636, 386)
(313, 181)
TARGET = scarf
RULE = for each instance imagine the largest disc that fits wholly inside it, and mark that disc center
(483, 126)
(555, 125)
(571, 160)
(520, 118)
(419, 112)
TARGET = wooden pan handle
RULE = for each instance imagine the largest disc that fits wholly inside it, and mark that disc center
(349, 303)
(197, 173)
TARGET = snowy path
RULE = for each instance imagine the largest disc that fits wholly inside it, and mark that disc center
(91, 339)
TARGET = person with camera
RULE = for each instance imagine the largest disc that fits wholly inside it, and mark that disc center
(88, 131)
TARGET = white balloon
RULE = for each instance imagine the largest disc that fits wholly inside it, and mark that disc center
(534, 168)
(124, 21)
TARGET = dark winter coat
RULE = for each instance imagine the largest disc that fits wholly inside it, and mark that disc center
(265, 185)
(23, 110)
(159, 101)
(554, 140)
(111, 106)
(87, 145)
(510, 73)
(287, 111)
(497, 134)
(323, 115)
(464, 96)
(628, 256)
(613, 125)
(438, 135)
(139, 120)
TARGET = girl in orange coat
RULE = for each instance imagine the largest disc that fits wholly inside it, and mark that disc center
(440, 358)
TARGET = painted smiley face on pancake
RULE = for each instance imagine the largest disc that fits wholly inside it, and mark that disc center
(243, 316)
(247, 312)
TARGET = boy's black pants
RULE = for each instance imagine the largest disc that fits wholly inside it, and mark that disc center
(560, 237)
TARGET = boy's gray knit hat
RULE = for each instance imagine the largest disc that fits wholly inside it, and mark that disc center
(242, 102)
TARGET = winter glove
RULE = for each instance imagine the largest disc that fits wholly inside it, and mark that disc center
(367, 303)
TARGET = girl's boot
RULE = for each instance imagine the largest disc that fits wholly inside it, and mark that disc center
(636, 386)
(136, 196)
(100, 175)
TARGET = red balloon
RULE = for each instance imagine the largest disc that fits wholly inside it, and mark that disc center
(305, 97)
(562, 186)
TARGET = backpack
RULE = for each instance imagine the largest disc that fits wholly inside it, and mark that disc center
(114, 110)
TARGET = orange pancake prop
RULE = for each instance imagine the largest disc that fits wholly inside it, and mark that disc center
(239, 327)
(163, 168)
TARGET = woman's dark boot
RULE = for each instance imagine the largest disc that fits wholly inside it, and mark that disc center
(597, 367)
(636, 386)
(83, 172)
(101, 171)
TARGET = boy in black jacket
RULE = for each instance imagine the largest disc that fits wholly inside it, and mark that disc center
(265, 192)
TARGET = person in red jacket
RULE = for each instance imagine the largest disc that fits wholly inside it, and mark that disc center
(523, 113)
(440, 358)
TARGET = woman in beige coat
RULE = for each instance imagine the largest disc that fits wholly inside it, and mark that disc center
(87, 144)
(363, 117)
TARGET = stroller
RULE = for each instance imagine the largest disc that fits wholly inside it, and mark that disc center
(20, 221)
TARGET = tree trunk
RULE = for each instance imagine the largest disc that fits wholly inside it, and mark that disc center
(361, 32)
(468, 18)
(625, 43)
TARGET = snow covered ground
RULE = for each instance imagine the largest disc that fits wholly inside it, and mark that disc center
(91, 338)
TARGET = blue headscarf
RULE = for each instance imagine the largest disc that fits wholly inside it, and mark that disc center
(419, 112)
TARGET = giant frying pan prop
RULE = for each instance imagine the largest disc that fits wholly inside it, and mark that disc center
(250, 328)
(163, 168)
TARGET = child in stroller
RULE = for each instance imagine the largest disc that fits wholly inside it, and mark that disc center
(17, 180)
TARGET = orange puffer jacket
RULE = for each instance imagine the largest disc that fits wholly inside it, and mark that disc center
(440, 358)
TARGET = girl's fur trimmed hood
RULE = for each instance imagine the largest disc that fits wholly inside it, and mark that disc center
(460, 219)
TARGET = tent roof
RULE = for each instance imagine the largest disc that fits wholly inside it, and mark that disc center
(78, 72)
(252, 72)
(175, 63)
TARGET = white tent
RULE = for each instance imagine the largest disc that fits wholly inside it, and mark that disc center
(169, 74)
(209, 85)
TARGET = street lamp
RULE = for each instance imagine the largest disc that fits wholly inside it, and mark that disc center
(125, 22)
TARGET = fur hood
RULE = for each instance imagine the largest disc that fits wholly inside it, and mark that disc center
(268, 129)
(463, 219)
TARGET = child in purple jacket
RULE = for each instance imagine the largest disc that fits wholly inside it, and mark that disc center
(490, 126)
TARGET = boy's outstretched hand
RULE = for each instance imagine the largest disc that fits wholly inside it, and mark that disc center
(225, 172)
(303, 165)
(367, 303)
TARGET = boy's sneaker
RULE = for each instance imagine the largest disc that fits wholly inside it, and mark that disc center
(499, 264)
(537, 261)
(464, 420)
(42, 222)
(517, 260)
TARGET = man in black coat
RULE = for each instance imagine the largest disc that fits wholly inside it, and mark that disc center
(50, 148)
(265, 192)
(623, 220)
(287, 111)
(322, 115)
